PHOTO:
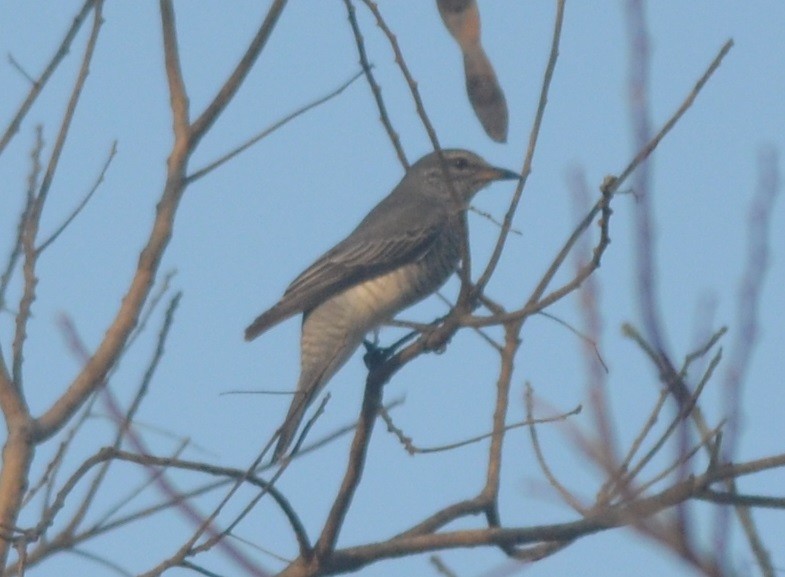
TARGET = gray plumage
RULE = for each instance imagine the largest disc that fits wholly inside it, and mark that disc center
(401, 252)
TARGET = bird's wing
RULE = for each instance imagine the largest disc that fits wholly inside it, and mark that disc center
(357, 258)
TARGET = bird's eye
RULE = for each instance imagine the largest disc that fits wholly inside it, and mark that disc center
(460, 163)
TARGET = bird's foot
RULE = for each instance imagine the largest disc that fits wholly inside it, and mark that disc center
(375, 355)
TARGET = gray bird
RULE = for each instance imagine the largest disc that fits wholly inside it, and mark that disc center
(401, 252)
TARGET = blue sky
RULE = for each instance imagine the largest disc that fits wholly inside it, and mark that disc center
(245, 231)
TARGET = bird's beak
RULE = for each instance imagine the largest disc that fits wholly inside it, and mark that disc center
(493, 173)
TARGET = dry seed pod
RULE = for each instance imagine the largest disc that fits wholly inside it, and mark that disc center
(462, 19)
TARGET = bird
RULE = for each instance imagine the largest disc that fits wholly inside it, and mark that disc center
(401, 252)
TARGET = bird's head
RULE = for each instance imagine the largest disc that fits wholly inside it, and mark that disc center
(467, 172)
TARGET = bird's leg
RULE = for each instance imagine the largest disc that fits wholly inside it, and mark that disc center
(376, 355)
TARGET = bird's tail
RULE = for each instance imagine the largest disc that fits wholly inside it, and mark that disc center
(288, 430)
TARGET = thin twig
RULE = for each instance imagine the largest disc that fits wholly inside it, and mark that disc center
(395, 140)
(68, 116)
(150, 307)
(32, 185)
(608, 488)
(490, 491)
(149, 480)
(683, 413)
(490, 218)
(413, 449)
(534, 134)
(536, 301)
(652, 144)
(589, 341)
(678, 463)
(43, 245)
(589, 309)
(256, 546)
(441, 567)
(566, 495)
(269, 130)
(701, 352)
(20, 69)
(751, 287)
(38, 85)
(30, 233)
(410, 81)
(122, 420)
(6, 379)
(483, 335)
(101, 560)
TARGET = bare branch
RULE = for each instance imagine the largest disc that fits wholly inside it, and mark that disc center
(332, 526)
(38, 85)
(164, 485)
(413, 449)
(7, 387)
(626, 513)
(236, 78)
(230, 473)
(94, 371)
(32, 186)
(738, 500)
(178, 96)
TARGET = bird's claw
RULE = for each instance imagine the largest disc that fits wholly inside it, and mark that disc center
(376, 355)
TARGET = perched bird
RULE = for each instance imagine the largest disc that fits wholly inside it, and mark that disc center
(401, 252)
